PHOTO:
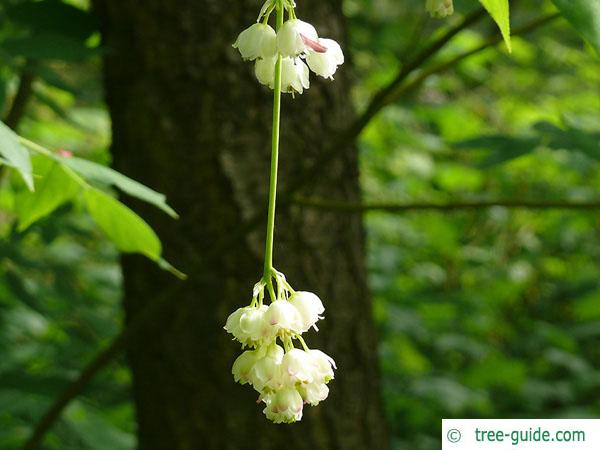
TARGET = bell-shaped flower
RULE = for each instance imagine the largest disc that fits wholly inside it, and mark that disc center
(266, 371)
(326, 63)
(264, 69)
(257, 41)
(297, 366)
(283, 406)
(294, 75)
(295, 37)
(313, 393)
(248, 325)
(283, 317)
(322, 366)
(233, 321)
(439, 8)
(309, 306)
(243, 365)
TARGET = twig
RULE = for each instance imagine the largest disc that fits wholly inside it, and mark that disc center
(347, 207)
(490, 42)
(73, 390)
(101, 360)
(24, 91)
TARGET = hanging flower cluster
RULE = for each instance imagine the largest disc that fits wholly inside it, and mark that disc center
(297, 43)
(285, 377)
(440, 8)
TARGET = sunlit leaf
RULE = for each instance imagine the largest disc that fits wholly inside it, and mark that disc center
(102, 174)
(584, 15)
(54, 187)
(500, 12)
(15, 154)
(125, 228)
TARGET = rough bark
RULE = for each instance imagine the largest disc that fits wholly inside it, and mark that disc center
(190, 120)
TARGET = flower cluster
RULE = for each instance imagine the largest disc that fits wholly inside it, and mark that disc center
(296, 43)
(439, 8)
(285, 377)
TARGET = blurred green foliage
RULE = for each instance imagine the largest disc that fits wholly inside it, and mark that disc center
(486, 313)
(493, 312)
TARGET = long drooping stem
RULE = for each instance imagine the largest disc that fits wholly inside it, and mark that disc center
(268, 268)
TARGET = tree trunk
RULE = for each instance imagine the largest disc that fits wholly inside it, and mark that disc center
(190, 120)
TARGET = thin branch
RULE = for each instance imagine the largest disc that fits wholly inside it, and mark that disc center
(347, 207)
(55, 410)
(380, 99)
(24, 91)
(490, 42)
(154, 309)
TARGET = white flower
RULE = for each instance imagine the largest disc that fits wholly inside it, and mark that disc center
(439, 8)
(314, 393)
(256, 41)
(326, 63)
(309, 306)
(294, 37)
(282, 316)
(284, 405)
(265, 71)
(248, 325)
(243, 365)
(297, 367)
(266, 370)
(294, 75)
(322, 366)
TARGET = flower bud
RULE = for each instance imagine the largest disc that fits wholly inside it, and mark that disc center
(314, 393)
(322, 366)
(282, 316)
(297, 366)
(439, 8)
(294, 75)
(256, 41)
(291, 38)
(309, 306)
(283, 406)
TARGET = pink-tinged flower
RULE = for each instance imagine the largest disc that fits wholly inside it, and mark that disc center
(295, 37)
(325, 63)
(283, 317)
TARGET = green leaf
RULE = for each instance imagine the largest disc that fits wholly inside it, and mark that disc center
(48, 47)
(502, 148)
(105, 175)
(500, 12)
(15, 154)
(52, 16)
(54, 188)
(584, 15)
(570, 138)
(125, 228)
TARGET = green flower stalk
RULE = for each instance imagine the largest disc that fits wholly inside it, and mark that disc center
(285, 377)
